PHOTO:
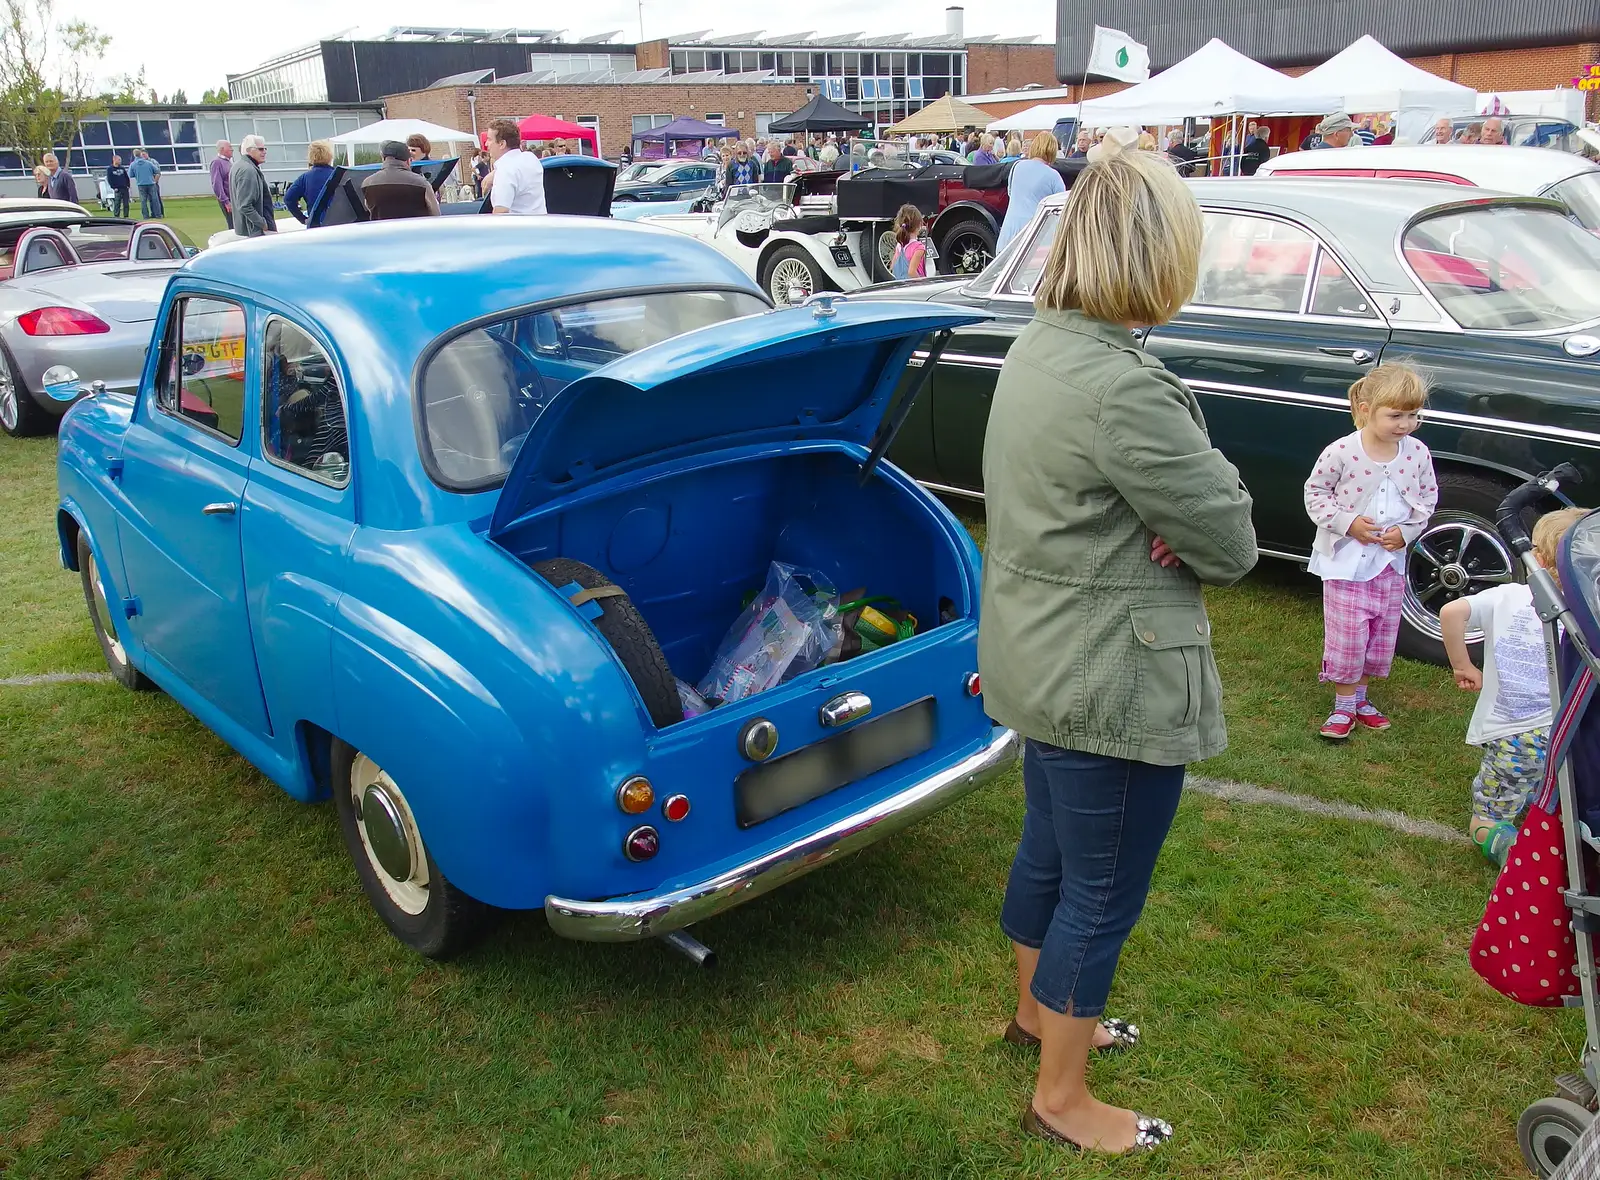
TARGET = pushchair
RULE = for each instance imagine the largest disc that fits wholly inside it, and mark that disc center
(1570, 614)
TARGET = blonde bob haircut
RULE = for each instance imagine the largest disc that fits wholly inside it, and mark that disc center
(1044, 147)
(1128, 251)
(1391, 386)
(320, 152)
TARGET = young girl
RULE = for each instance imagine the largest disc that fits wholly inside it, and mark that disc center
(1511, 720)
(1369, 496)
(911, 253)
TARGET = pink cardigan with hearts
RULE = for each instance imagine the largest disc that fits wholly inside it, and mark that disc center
(1345, 480)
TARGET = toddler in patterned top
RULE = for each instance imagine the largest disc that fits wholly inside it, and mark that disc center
(1511, 721)
(1369, 495)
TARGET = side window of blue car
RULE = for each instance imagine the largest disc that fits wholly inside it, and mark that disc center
(303, 415)
(202, 376)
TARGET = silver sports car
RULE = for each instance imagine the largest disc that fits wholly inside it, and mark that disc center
(77, 297)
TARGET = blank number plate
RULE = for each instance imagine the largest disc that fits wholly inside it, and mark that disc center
(785, 783)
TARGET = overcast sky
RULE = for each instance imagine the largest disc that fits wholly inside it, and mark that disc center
(189, 45)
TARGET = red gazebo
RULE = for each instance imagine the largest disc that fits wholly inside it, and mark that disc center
(543, 127)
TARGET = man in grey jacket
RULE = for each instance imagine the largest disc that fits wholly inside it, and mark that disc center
(252, 203)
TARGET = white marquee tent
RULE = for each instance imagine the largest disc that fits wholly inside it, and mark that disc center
(1215, 80)
(1043, 117)
(399, 129)
(1369, 79)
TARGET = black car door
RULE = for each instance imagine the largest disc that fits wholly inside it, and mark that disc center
(963, 386)
(1275, 336)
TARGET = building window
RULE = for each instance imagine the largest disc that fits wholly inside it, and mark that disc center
(717, 119)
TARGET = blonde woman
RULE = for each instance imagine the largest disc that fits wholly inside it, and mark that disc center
(1108, 508)
(1013, 146)
(1031, 181)
(1146, 142)
(41, 177)
(985, 153)
(301, 196)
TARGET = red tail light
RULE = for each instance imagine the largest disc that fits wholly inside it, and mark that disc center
(61, 321)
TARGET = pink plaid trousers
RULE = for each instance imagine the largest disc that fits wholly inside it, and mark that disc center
(1360, 624)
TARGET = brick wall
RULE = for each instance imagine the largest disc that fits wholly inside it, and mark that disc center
(615, 105)
(989, 67)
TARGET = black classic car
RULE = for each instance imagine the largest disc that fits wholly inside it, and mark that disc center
(1303, 288)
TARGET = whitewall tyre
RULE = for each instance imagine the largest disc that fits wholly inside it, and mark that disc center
(398, 873)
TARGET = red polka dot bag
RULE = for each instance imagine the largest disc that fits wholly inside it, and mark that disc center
(1523, 945)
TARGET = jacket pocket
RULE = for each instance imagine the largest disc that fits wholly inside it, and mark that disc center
(1171, 636)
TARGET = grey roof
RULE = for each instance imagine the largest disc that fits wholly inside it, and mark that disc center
(467, 78)
(734, 39)
(599, 38)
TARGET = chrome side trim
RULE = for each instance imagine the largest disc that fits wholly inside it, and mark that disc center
(629, 919)
(1321, 402)
(970, 360)
(945, 489)
(1280, 555)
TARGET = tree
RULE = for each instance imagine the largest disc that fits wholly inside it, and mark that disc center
(47, 77)
(214, 97)
(127, 89)
(179, 99)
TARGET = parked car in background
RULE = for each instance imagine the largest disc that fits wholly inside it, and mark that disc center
(1303, 288)
(671, 182)
(77, 294)
(1540, 131)
(438, 539)
(639, 170)
(1534, 172)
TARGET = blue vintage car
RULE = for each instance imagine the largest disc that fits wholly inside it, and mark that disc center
(427, 516)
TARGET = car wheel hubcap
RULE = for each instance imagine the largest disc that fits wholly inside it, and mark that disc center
(8, 397)
(389, 835)
(969, 255)
(1452, 559)
(102, 612)
(791, 282)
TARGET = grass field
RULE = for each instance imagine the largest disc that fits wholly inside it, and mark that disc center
(196, 217)
(191, 983)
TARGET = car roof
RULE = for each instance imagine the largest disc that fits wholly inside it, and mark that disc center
(423, 277)
(1528, 170)
(1360, 218)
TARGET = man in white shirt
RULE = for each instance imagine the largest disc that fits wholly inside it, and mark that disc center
(518, 175)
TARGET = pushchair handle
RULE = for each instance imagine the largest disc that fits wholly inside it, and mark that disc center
(1508, 518)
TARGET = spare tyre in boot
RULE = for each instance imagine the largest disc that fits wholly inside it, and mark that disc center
(629, 635)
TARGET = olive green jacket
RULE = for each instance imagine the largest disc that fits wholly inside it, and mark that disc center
(1093, 448)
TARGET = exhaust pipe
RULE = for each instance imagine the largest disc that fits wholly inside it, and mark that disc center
(696, 951)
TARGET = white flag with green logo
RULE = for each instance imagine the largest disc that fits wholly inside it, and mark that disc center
(1117, 55)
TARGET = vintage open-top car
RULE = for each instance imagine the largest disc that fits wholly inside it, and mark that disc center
(1304, 286)
(430, 516)
(77, 294)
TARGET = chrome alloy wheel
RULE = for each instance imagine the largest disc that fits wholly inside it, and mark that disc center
(389, 835)
(10, 412)
(1455, 557)
(791, 282)
(102, 608)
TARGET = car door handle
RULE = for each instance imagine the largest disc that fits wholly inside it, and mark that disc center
(221, 508)
(1361, 356)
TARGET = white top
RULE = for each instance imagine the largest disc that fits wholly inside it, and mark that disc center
(1516, 687)
(518, 183)
(1354, 561)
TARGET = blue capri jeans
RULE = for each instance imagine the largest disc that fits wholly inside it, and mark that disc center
(1090, 837)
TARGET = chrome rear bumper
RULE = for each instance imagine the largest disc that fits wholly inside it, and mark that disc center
(638, 916)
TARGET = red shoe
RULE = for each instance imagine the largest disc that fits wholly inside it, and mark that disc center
(1367, 713)
(1338, 725)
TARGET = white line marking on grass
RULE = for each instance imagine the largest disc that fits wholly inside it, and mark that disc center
(55, 678)
(1231, 792)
